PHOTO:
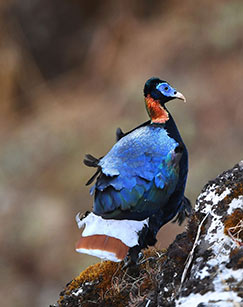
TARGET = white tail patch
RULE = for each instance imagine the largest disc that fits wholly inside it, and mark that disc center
(106, 238)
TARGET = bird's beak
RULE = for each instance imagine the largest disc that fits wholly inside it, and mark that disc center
(180, 96)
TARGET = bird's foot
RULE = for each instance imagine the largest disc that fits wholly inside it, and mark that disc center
(127, 262)
(132, 259)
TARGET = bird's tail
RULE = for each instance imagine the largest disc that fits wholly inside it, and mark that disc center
(108, 239)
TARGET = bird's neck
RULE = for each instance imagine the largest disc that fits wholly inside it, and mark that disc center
(157, 113)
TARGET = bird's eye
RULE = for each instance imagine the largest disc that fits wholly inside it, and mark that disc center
(166, 88)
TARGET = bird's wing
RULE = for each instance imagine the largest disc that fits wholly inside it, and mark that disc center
(93, 162)
(137, 175)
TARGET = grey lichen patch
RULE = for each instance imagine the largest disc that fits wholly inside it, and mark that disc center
(224, 188)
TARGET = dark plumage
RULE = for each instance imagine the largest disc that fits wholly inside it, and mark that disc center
(143, 177)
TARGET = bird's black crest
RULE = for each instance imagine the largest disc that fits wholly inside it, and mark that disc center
(150, 85)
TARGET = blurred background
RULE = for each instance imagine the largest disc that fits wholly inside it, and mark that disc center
(73, 71)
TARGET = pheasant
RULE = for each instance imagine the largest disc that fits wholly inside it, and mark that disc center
(140, 183)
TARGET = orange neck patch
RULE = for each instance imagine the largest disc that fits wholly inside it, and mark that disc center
(156, 112)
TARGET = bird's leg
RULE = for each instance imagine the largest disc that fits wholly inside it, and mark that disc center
(134, 253)
(133, 257)
(127, 262)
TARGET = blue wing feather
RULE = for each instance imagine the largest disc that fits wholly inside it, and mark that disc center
(137, 174)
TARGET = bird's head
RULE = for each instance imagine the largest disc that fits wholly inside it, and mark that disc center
(161, 90)
(157, 92)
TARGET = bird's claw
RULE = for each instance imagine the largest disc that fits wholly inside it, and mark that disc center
(127, 262)
(130, 261)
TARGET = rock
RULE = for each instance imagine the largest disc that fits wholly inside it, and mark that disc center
(202, 267)
(215, 277)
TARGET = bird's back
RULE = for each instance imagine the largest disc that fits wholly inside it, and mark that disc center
(141, 150)
(137, 173)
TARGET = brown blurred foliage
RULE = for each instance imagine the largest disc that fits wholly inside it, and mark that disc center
(71, 72)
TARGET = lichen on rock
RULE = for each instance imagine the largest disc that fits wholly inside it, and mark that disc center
(109, 284)
(220, 277)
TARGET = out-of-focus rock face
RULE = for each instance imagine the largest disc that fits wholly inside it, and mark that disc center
(216, 275)
(202, 267)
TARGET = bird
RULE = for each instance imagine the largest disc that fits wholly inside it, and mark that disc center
(140, 183)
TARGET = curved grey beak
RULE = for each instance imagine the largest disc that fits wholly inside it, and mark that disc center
(180, 96)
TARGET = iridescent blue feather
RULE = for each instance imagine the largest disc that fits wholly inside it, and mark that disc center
(138, 174)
